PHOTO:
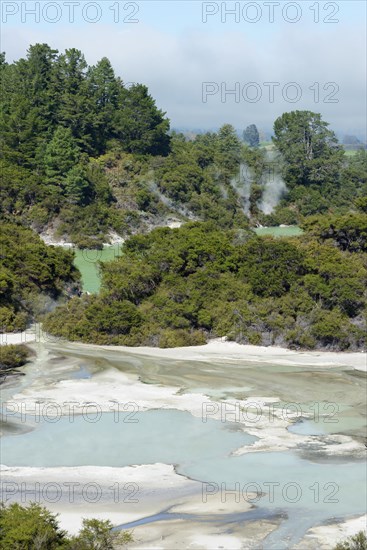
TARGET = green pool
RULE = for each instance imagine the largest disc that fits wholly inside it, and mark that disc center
(287, 231)
(87, 262)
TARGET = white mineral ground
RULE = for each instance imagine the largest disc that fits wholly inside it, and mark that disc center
(220, 350)
(160, 483)
(49, 237)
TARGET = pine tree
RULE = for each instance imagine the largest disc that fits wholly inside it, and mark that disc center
(62, 153)
(77, 186)
(251, 136)
(104, 92)
(75, 105)
(229, 149)
(140, 125)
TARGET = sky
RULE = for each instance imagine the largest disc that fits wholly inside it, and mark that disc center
(210, 63)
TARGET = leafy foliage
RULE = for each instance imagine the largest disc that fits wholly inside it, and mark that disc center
(183, 286)
(356, 542)
(32, 276)
(309, 148)
(30, 527)
(82, 154)
(97, 534)
(34, 527)
(348, 232)
(57, 114)
(13, 356)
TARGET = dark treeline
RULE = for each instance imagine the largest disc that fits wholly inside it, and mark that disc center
(57, 114)
(50, 97)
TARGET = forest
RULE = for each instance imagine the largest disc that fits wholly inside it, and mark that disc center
(83, 155)
(176, 287)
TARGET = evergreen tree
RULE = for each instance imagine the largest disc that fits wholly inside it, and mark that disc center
(251, 136)
(42, 92)
(77, 186)
(309, 148)
(104, 92)
(75, 105)
(140, 125)
(18, 120)
(61, 154)
(229, 149)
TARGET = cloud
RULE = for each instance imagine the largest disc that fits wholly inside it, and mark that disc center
(174, 65)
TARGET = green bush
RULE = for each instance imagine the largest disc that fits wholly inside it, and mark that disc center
(97, 534)
(32, 275)
(179, 338)
(254, 338)
(331, 328)
(36, 528)
(24, 528)
(300, 338)
(13, 356)
(356, 542)
(182, 286)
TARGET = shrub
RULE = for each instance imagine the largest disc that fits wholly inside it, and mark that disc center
(180, 338)
(97, 534)
(24, 528)
(36, 528)
(13, 356)
(356, 542)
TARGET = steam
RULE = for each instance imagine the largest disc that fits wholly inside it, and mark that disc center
(273, 191)
(153, 187)
(274, 185)
(242, 185)
(168, 202)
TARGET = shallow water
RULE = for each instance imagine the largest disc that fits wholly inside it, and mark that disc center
(305, 489)
(307, 427)
(123, 439)
(289, 231)
(251, 515)
(87, 263)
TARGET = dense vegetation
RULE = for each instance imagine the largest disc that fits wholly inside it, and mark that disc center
(12, 357)
(183, 286)
(82, 154)
(35, 527)
(318, 176)
(356, 542)
(32, 276)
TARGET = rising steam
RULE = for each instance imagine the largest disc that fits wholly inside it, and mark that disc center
(274, 185)
(242, 185)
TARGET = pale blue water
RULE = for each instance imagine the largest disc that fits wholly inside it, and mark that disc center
(324, 489)
(200, 450)
(168, 436)
(307, 427)
(307, 489)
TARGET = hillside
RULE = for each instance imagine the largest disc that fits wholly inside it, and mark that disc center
(84, 155)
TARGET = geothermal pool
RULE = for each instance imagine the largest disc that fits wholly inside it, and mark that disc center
(87, 263)
(306, 484)
(87, 260)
